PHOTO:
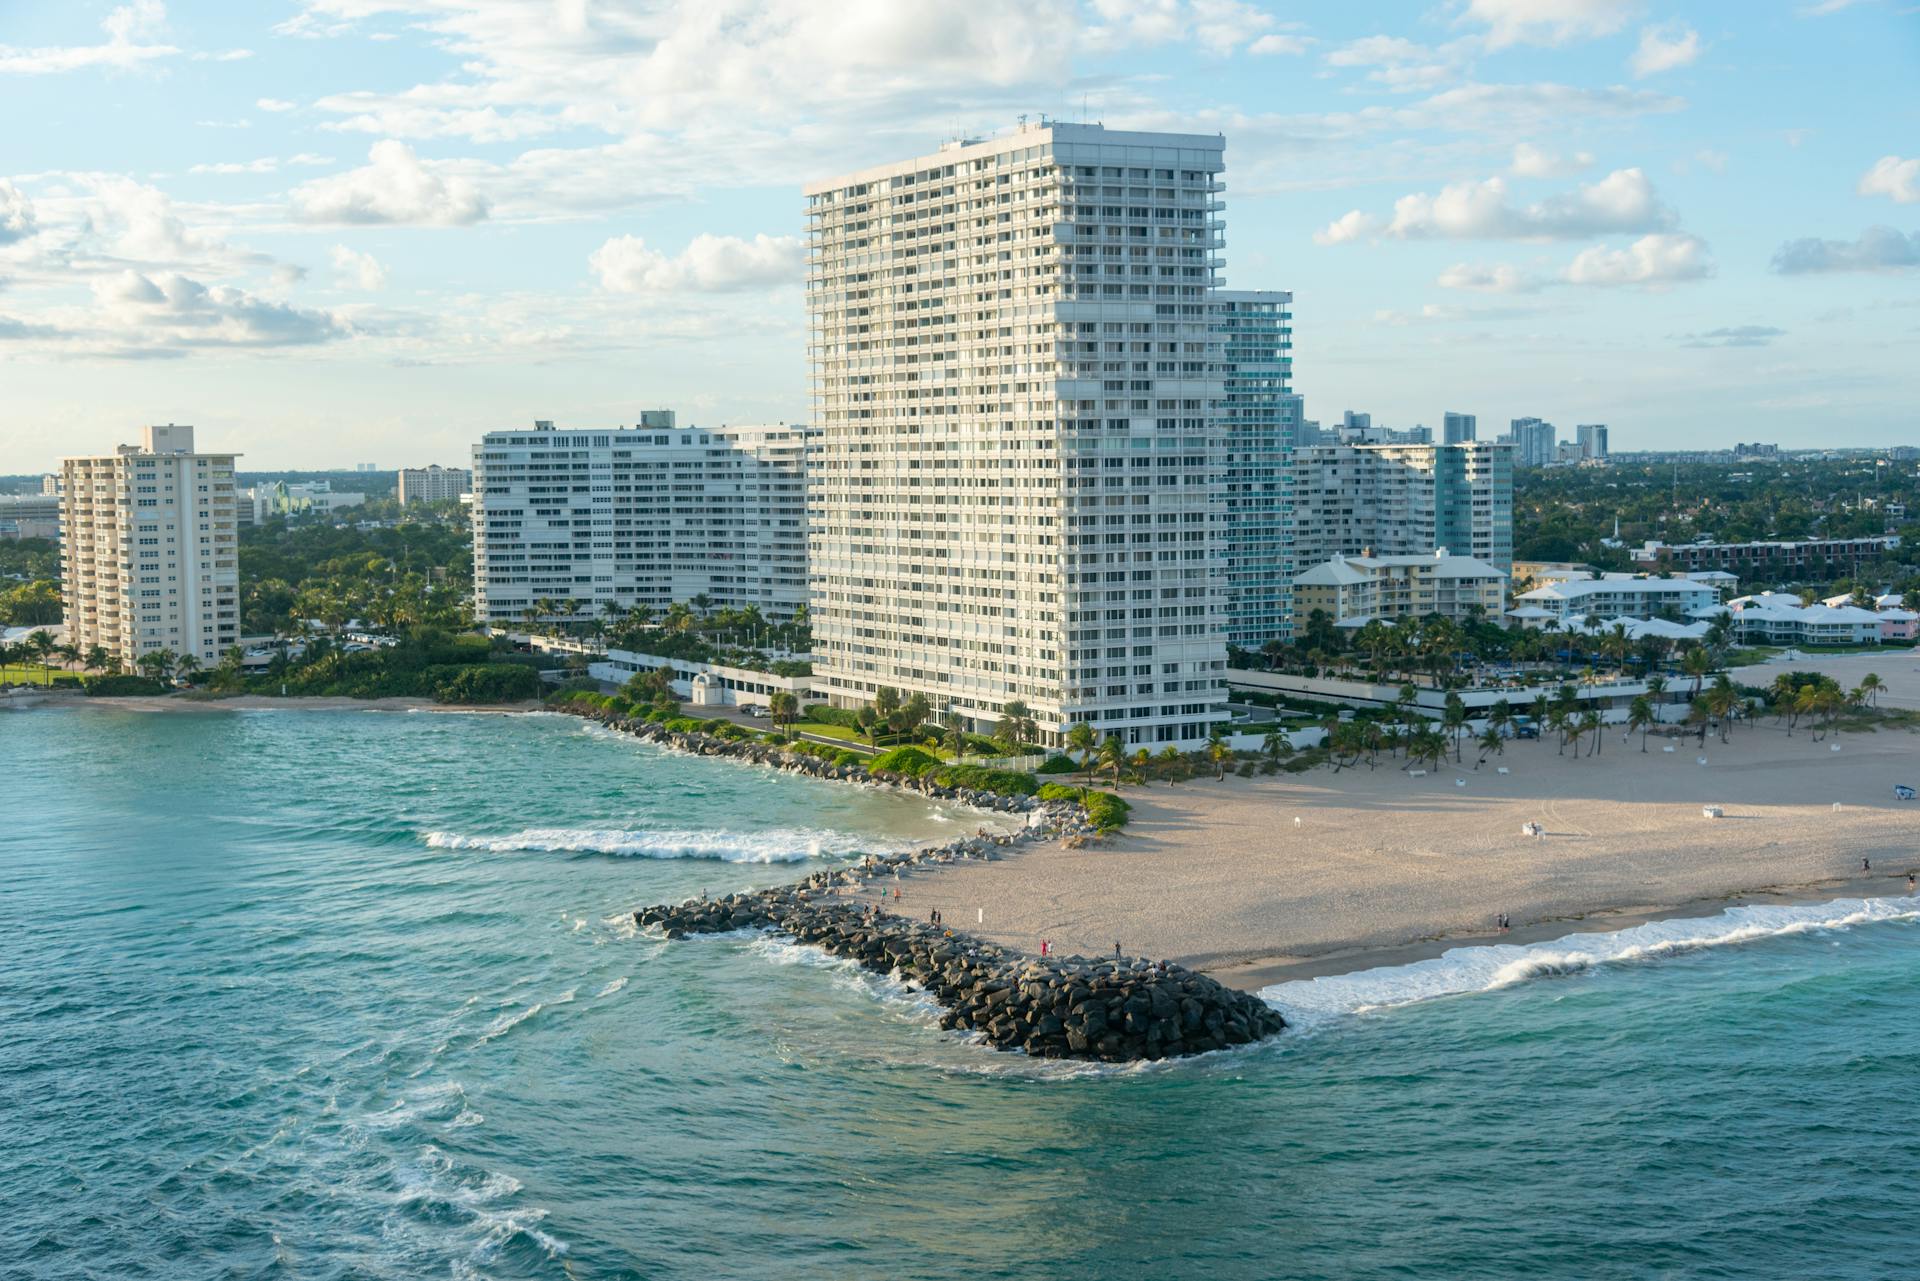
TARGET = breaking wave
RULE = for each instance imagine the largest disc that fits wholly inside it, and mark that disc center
(779, 845)
(1489, 968)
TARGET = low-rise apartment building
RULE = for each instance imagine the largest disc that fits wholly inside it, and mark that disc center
(1614, 596)
(1355, 590)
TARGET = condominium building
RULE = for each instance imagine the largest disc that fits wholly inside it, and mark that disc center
(1772, 560)
(1458, 429)
(1614, 596)
(1405, 500)
(434, 484)
(150, 560)
(283, 498)
(30, 515)
(1259, 419)
(1355, 590)
(576, 524)
(1533, 442)
(1592, 439)
(1013, 374)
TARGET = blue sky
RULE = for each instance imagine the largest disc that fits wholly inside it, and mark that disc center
(334, 231)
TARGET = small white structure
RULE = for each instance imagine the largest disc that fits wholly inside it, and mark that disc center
(705, 691)
(1712, 811)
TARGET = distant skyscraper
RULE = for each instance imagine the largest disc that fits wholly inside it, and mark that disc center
(1458, 429)
(1260, 420)
(1010, 360)
(1592, 438)
(1404, 500)
(150, 559)
(1533, 441)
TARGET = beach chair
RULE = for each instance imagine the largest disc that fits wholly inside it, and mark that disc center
(1901, 792)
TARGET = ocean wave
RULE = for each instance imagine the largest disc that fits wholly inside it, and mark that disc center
(1312, 1002)
(780, 845)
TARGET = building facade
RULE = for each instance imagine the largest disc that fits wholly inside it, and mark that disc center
(434, 484)
(1405, 500)
(1355, 590)
(1013, 374)
(30, 515)
(1533, 442)
(1592, 439)
(597, 521)
(1816, 557)
(1259, 418)
(1458, 429)
(1615, 596)
(150, 559)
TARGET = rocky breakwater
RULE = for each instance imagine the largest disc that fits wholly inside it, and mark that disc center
(1111, 1010)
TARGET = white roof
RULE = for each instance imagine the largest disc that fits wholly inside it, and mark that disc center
(1332, 573)
(1583, 587)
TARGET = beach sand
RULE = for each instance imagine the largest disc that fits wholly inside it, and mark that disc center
(1270, 878)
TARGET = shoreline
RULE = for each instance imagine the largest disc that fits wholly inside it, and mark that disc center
(1251, 973)
(255, 702)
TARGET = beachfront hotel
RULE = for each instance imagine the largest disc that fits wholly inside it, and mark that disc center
(647, 515)
(1014, 375)
(150, 556)
(1405, 500)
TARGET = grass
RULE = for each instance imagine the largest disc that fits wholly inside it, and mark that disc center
(29, 673)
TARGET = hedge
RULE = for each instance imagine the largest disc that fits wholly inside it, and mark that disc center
(120, 686)
(911, 761)
(1059, 763)
(490, 683)
(1001, 782)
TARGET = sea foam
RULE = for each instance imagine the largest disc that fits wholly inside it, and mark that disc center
(1463, 970)
(779, 845)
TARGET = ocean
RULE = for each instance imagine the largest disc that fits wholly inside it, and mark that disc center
(317, 994)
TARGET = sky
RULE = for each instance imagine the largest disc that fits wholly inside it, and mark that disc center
(330, 232)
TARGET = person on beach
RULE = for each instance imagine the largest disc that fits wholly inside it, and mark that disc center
(1909, 882)
(896, 894)
(1116, 942)
(1865, 866)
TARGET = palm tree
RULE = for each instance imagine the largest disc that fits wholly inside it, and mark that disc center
(1276, 745)
(97, 659)
(1219, 753)
(1081, 739)
(1454, 717)
(957, 737)
(1171, 759)
(1491, 741)
(783, 706)
(1113, 756)
(41, 644)
(1696, 662)
(1016, 726)
(1591, 723)
(187, 667)
(1871, 685)
(1640, 718)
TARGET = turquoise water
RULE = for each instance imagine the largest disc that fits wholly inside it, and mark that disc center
(314, 994)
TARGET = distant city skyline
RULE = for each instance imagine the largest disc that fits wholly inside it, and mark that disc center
(354, 229)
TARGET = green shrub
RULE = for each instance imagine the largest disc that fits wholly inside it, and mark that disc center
(1058, 792)
(847, 756)
(821, 714)
(1106, 811)
(911, 761)
(1059, 763)
(979, 778)
(121, 686)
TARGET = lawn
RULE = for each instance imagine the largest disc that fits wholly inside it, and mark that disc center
(28, 673)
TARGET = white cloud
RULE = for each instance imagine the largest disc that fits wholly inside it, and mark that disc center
(1877, 249)
(1217, 26)
(1269, 45)
(124, 26)
(309, 159)
(1653, 261)
(1348, 227)
(1488, 278)
(1664, 48)
(16, 214)
(1734, 336)
(167, 310)
(266, 164)
(709, 264)
(143, 225)
(362, 269)
(223, 55)
(397, 186)
(274, 104)
(1530, 161)
(1826, 7)
(1622, 201)
(1892, 176)
(1548, 22)
(1400, 64)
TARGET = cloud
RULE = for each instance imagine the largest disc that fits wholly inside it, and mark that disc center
(1488, 278)
(170, 310)
(266, 164)
(709, 264)
(1653, 261)
(1548, 22)
(1826, 7)
(362, 269)
(1735, 336)
(274, 104)
(396, 187)
(1400, 64)
(1622, 201)
(1350, 226)
(1216, 26)
(16, 214)
(1270, 45)
(1877, 249)
(1664, 48)
(1530, 161)
(124, 26)
(1892, 176)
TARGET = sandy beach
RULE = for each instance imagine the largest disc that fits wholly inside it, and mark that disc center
(1263, 879)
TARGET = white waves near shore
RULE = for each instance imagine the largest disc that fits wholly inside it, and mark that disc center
(779, 845)
(1310, 1002)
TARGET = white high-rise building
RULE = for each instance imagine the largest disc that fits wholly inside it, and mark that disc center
(1259, 419)
(150, 559)
(597, 521)
(1592, 438)
(1404, 500)
(434, 484)
(1458, 429)
(1533, 442)
(1013, 377)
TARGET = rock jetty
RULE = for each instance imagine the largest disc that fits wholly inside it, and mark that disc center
(1112, 1010)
